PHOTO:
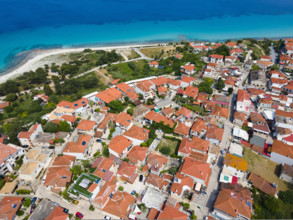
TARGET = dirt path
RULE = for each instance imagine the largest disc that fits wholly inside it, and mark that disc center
(104, 76)
(260, 49)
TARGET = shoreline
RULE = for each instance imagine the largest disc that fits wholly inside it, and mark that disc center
(34, 56)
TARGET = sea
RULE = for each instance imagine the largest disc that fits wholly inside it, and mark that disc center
(26, 25)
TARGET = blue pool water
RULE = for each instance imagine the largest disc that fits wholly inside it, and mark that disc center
(32, 24)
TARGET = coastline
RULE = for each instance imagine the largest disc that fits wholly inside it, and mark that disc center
(29, 63)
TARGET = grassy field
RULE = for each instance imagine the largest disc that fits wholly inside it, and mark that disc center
(165, 142)
(264, 167)
(160, 52)
(124, 71)
(133, 55)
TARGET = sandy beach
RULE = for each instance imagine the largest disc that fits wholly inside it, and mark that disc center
(39, 60)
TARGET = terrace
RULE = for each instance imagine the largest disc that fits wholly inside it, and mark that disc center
(82, 185)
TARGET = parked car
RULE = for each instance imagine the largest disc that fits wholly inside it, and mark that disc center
(33, 200)
(132, 217)
(65, 210)
(133, 192)
(107, 217)
(99, 140)
(140, 178)
(52, 147)
(75, 202)
(79, 215)
(32, 208)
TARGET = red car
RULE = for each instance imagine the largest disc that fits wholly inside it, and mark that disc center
(79, 215)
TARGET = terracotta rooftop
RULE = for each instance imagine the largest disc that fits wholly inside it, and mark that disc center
(283, 149)
(172, 213)
(109, 95)
(233, 203)
(262, 184)
(64, 160)
(86, 125)
(124, 119)
(9, 206)
(119, 204)
(220, 112)
(191, 91)
(58, 176)
(137, 133)
(79, 146)
(154, 116)
(119, 143)
(197, 169)
(187, 79)
(137, 153)
(182, 129)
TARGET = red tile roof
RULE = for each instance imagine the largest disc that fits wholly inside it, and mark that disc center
(220, 112)
(119, 143)
(69, 118)
(154, 116)
(283, 149)
(191, 91)
(199, 126)
(182, 129)
(57, 214)
(187, 79)
(119, 204)
(73, 105)
(6, 151)
(159, 81)
(109, 95)
(216, 56)
(197, 169)
(172, 213)
(213, 132)
(183, 111)
(124, 119)
(124, 88)
(9, 206)
(137, 153)
(188, 67)
(262, 184)
(86, 125)
(137, 133)
(233, 203)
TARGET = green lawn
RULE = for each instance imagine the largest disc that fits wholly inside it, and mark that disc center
(165, 142)
(264, 167)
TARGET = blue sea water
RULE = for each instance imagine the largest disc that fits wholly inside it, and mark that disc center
(32, 24)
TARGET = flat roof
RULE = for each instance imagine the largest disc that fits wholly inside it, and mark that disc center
(153, 198)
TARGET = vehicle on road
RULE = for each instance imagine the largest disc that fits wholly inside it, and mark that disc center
(65, 210)
(79, 215)
(107, 217)
(133, 192)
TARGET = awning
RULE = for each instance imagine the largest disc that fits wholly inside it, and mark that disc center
(197, 187)
(234, 180)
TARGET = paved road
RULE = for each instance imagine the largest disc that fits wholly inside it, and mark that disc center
(273, 54)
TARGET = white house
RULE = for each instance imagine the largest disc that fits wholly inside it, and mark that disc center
(137, 134)
(8, 155)
(27, 137)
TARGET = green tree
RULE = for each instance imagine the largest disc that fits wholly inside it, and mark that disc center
(220, 84)
(51, 127)
(27, 202)
(165, 150)
(11, 97)
(116, 106)
(230, 90)
(106, 152)
(48, 91)
(64, 126)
